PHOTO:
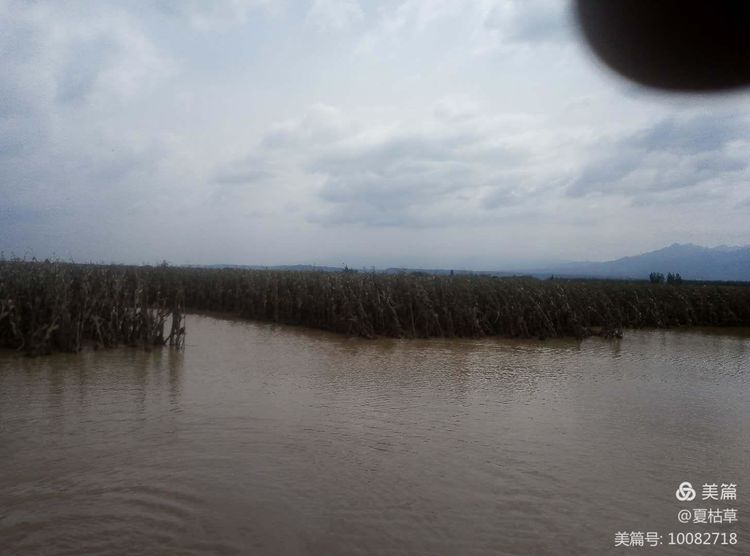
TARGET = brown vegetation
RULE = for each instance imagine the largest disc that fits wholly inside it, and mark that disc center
(409, 305)
(53, 306)
(47, 306)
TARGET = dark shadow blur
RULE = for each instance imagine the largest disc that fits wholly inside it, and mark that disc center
(677, 45)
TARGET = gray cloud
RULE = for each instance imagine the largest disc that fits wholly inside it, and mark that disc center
(215, 14)
(411, 179)
(702, 133)
(404, 151)
(332, 15)
(391, 175)
(242, 176)
(673, 153)
(84, 63)
(504, 196)
(69, 80)
(530, 21)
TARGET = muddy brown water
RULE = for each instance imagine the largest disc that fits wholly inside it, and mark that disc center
(263, 439)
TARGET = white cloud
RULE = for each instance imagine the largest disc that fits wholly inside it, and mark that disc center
(212, 15)
(332, 15)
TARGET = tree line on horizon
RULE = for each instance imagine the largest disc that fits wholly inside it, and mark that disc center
(659, 278)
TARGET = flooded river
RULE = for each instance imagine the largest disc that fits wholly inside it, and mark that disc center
(262, 439)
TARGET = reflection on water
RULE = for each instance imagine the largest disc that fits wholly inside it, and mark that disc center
(266, 439)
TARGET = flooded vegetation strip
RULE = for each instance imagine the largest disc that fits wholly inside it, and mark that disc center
(47, 307)
(52, 306)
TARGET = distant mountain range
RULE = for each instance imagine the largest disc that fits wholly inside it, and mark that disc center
(692, 262)
(302, 267)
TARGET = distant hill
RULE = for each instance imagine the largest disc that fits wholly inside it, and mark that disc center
(296, 267)
(692, 262)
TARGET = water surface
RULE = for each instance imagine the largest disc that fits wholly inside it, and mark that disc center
(262, 439)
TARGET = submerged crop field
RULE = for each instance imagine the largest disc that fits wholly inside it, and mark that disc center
(52, 306)
(47, 306)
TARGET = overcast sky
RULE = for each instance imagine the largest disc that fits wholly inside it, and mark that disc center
(434, 133)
